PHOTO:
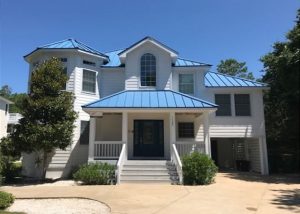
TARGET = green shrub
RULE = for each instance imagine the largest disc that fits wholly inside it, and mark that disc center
(6, 199)
(95, 173)
(198, 169)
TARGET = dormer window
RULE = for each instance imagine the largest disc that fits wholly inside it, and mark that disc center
(148, 70)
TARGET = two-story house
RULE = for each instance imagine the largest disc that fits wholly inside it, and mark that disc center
(143, 107)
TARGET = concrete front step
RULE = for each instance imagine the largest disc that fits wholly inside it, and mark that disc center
(148, 171)
(143, 173)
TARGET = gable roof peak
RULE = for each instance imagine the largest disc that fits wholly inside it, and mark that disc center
(153, 40)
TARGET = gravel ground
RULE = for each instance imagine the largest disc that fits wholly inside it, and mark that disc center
(61, 206)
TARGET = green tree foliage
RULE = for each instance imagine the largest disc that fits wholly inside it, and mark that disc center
(282, 67)
(16, 98)
(5, 91)
(234, 68)
(48, 115)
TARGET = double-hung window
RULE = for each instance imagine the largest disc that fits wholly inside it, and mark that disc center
(89, 81)
(224, 104)
(186, 83)
(242, 105)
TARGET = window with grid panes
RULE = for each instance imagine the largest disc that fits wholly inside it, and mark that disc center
(148, 70)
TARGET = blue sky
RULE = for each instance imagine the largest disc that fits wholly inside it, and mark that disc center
(205, 30)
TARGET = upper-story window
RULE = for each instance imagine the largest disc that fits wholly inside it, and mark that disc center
(148, 70)
(242, 105)
(89, 81)
(89, 63)
(186, 83)
(224, 104)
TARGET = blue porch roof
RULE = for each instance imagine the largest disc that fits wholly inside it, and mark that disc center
(150, 99)
(69, 44)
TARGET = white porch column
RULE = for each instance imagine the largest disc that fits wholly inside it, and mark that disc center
(263, 155)
(206, 133)
(125, 131)
(92, 139)
(172, 128)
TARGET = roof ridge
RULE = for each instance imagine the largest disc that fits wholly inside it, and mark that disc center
(237, 77)
(52, 43)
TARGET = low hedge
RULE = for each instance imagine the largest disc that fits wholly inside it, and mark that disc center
(6, 199)
(198, 169)
(95, 174)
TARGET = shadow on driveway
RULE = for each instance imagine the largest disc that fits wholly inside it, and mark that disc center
(270, 179)
(287, 199)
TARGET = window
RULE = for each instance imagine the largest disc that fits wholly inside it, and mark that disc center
(242, 104)
(63, 59)
(186, 83)
(84, 132)
(148, 70)
(186, 130)
(89, 63)
(89, 81)
(224, 104)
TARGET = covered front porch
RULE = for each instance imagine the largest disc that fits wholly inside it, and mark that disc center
(120, 134)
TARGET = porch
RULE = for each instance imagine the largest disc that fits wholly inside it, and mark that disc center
(148, 125)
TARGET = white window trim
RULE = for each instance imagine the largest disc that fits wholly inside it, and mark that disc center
(194, 83)
(139, 69)
(96, 82)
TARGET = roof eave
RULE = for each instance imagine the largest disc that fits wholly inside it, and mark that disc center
(172, 52)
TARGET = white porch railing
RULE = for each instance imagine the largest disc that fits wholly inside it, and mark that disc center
(175, 158)
(107, 149)
(121, 162)
(187, 147)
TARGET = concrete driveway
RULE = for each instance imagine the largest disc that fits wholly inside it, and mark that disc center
(231, 193)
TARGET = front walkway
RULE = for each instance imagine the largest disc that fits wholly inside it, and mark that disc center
(232, 193)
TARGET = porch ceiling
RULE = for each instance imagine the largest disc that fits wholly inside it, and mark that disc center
(150, 99)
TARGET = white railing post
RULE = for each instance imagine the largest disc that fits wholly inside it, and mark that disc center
(92, 139)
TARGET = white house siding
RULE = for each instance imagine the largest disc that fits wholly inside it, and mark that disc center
(3, 119)
(198, 72)
(163, 67)
(238, 126)
(112, 80)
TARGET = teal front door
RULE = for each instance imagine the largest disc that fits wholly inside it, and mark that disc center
(148, 138)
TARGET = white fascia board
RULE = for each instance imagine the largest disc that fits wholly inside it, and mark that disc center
(173, 54)
(147, 110)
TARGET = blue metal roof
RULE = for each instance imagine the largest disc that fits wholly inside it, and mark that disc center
(213, 79)
(187, 63)
(69, 44)
(150, 99)
(114, 60)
